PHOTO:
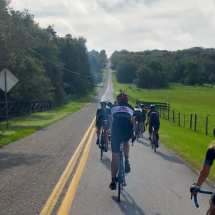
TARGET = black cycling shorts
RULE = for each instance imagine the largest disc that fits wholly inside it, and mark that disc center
(143, 119)
(120, 134)
(99, 125)
(138, 118)
(156, 126)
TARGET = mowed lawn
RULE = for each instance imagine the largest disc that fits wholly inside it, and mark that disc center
(186, 143)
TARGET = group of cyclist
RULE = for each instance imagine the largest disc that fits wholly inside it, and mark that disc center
(122, 117)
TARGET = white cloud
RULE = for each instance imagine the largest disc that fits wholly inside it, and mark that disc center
(135, 25)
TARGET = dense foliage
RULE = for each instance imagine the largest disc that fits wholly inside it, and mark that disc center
(156, 68)
(36, 56)
(98, 63)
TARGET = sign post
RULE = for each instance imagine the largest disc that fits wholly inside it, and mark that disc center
(7, 81)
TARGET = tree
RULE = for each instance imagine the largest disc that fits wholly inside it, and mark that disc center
(212, 79)
(126, 71)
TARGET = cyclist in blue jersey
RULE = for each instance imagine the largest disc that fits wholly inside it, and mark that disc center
(122, 130)
(209, 159)
(101, 115)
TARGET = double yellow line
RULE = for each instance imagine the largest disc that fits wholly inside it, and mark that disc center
(68, 199)
(67, 202)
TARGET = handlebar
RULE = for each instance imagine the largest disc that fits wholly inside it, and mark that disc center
(195, 196)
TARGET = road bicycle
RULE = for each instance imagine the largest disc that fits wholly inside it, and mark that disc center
(121, 174)
(153, 141)
(142, 128)
(102, 141)
(137, 132)
(196, 200)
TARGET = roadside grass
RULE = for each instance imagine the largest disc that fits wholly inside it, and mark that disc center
(189, 145)
(22, 126)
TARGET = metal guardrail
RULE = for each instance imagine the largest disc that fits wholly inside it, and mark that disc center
(19, 108)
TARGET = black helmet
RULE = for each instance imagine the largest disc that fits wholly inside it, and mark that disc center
(142, 105)
(109, 104)
(137, 106)
(103, 103)
(152, 106)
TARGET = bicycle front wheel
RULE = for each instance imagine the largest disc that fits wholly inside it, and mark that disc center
(119, 190)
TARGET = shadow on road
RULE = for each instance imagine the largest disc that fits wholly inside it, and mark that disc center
(143, 143)
(106, 161)
(8, 160)
(128, 206)
(169, 158)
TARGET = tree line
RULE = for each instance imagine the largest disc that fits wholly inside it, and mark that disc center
(154, 69)
(48, 66)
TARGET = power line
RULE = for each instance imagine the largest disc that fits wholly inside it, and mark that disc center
(55, 63)
(45, 10)
(49, 59)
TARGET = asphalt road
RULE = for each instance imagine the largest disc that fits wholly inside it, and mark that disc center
(30, 168)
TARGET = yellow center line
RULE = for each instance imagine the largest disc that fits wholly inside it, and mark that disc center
(50, 204)
(67, 202)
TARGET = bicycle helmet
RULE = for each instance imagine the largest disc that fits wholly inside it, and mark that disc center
(142, 106)
(152, 107)
(122, 97)
(137, 106)
(103, 103)
(109, 104)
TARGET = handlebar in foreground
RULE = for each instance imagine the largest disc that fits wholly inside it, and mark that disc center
(195, 196)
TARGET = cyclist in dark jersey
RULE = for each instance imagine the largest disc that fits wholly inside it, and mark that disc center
(209, 159)
(122, 130)
(138, 116)
(102, 115)
(144, 111)
(153, 121)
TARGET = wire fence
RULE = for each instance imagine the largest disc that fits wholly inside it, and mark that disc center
(20, 108)
(194, 122)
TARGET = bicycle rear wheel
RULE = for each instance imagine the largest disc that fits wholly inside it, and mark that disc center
(102, 144)
(154, 143)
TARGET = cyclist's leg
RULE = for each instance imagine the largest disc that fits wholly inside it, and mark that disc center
(98, 132)
(150, 130)
(115, 146)
(106, 139)
(156, 129)
(115, 157)
(127, 134)
(212, 205)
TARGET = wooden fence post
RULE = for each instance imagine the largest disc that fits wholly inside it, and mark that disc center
(179, 119)
(191, 121)
(163, 113)
(195, 122)
(173, 115)
(206, 132)
(168, 114)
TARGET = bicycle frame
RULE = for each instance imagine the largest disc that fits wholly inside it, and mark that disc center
(121, 174)
(153, 140)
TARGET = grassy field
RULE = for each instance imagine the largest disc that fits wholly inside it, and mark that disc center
(189, 145)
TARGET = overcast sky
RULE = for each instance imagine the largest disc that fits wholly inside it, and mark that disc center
(134, 25)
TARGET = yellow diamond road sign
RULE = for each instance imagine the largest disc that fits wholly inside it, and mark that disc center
(11, 79)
